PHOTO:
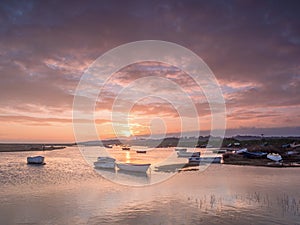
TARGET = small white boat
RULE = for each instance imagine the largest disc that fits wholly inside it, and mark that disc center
(134, 167)
(241, 151)
(180, 149)
(105, 163)
(187, 154)
(35, 160)
(274, 157)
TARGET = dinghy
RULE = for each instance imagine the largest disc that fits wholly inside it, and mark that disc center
(252, 155)
(105, 163)
(274, 157)
(241, 151)
(35, 160)
(134, 167)
(141, 151)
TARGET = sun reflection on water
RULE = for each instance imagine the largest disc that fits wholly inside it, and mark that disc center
(127, 157)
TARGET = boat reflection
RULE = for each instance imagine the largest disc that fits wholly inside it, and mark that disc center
(135, 174)
(133, 178)
(125, 177)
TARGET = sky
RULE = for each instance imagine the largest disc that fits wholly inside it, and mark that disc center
(252, 48)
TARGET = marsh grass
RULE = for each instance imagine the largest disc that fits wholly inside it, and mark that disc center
(284, 203)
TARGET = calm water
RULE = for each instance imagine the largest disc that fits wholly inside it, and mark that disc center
(68, 191)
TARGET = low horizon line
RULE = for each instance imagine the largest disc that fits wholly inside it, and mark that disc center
(140, 138)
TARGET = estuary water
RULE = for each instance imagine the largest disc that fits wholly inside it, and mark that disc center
(67, 190)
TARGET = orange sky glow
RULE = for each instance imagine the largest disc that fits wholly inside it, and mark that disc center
(254, 55)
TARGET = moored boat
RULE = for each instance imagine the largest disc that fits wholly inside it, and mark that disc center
(197, 160)
(126, 148)
(141, 151)
(200, 146)
(36, 160)
(274, 157)
(188, 154)
(248, 154)
(105, 163)
(241, 151)
(180, 149)
(134, 167)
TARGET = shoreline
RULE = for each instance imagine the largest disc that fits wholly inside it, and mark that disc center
(240, 159)
(30, 147)
(265, 164)
(32, 150)
(229, 158)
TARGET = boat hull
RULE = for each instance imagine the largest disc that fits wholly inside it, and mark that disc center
(105, 159)
(197, 160)
(141, 151)
(254, 155)
(274, 157)
(188, 154)
(108, 146)
(140, 168)
(241, 151)
(104, 165)
(35, 160)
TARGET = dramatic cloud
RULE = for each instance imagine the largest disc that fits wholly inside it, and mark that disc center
(253, 48)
